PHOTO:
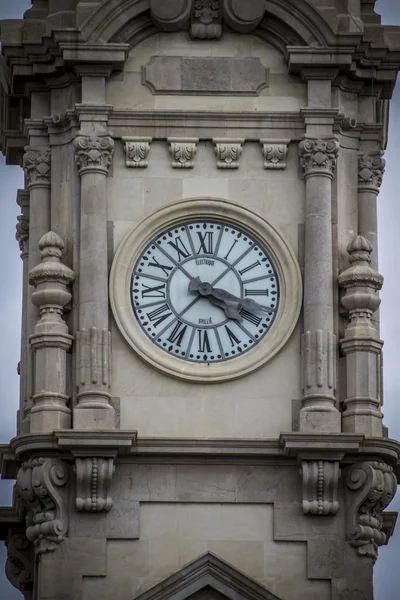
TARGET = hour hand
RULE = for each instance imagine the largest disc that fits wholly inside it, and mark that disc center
(194, 284)
(246, 303)
(231, 312)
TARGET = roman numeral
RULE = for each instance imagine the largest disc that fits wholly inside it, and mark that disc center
(232, 337)
(250, 317)
(177, 333)
(204, 342)
(180, 248)
(158, 315)
(256, 292)
(250, 267)
(153, 292)
(206, 242)
(164, 268)
(231, 248)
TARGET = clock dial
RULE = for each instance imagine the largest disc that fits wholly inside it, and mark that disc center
(205, 291)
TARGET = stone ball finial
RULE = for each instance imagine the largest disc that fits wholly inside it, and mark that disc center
(360, 249)
(51, 246)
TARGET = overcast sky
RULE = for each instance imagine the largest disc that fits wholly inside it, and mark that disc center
(387, 569)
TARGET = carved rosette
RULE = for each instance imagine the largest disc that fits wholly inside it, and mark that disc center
(19, 565)
(206, 19)
(371, 486)
(318, 156)
(94, 152)
(228, 152)
(41, 487)
(183, 151)
(93, 481)
(370, 171)
(275, 153)
(137, 150)
(320, 487)
(36, 162)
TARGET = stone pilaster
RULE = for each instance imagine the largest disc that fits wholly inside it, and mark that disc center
(361, 344)
(319, 412)
(51, 340)
(93, 157)
(37, 166)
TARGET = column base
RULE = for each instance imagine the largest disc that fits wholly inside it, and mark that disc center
(366, 424)
(94, 418)
(320, 421)
(47, 421)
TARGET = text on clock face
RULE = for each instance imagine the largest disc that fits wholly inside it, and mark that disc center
(205, 291)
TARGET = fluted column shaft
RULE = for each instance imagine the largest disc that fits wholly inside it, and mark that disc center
(37, 164)
(94, 411)
(319, 412)
(370, 172)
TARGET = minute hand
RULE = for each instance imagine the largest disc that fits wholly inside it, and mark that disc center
(247, 303)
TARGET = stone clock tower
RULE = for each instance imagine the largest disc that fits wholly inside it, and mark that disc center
(200, 374)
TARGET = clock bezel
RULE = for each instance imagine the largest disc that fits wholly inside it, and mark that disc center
(225, 211)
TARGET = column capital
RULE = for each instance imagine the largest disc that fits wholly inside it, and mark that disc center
(318, 156)
(371, 168)
(94, 152)
(37, 165)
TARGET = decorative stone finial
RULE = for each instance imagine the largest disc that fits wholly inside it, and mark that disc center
(360, 250)
(51, 269)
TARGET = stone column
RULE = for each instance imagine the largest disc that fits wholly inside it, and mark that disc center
(93, 411)
(36, 162)
(319, 412)
(370, 172)
(361, 344)
(51, 340)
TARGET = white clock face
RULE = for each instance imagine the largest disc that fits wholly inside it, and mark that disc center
(204, 291)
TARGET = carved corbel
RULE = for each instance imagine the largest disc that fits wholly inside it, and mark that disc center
(206, 19)
(183, 151)
(19, 564)
(275, 153)
(320, 487)
(137, 150)
(243, 17)
(93, 481)
(371, 487)
(228, 152)
(41, 487)
(171, 16)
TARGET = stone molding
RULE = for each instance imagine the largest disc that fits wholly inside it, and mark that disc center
(93, 481)
(228, 152)
(137, 150)
(20, 562)
(371, 168)
(318, 156)
(183, 151)
(274, 153)
(371, 486)
(37, 165)
(320, 479)
(94, 152)
(40, 483)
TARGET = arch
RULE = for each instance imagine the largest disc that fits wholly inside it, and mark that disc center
(286, 23)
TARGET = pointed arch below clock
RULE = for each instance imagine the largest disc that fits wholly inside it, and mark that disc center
(208, 578)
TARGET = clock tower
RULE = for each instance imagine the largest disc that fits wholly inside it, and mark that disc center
(200, 408)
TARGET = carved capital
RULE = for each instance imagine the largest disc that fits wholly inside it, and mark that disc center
(371, 487)
(93, 481)
(275, 153)
(318, 156)
(206, 19)
(19, 565)
(183, 151)
(228, 152)
(41, 487)
(94, 152)
(22, 235)
(370, 171)
(320, 487)
(137, 150)
(37, 162)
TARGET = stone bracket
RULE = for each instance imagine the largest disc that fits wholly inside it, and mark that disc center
(320, 487)
(274, 153)
(20, 561)
(228, 151)
(137, 150)
(93, 481)
(183, 151)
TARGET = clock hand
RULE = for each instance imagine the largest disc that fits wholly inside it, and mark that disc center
(246, 303)
(205, 289)
(230, 311)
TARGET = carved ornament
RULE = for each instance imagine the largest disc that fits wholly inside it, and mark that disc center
(320, 487)
(228, 152)
(137, 150)
(318, 156)
(19, 565)
(22, 235)
(40, 483)
(36, 162)
(206, 19)
(275, 153)
(93, 481)
(183, 151)
(371, 486)
(370, 170)
(94, 152)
